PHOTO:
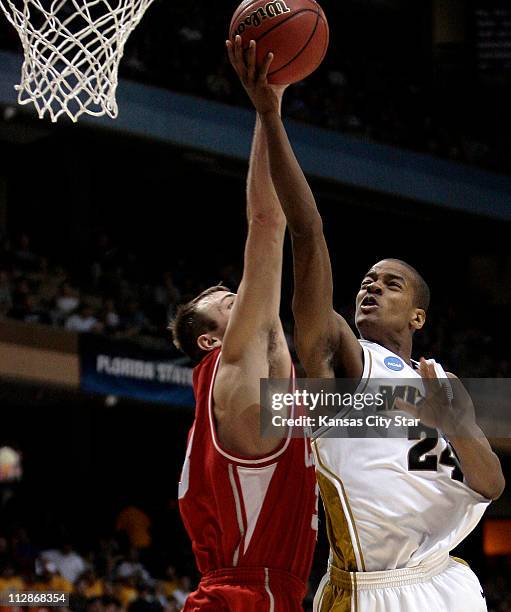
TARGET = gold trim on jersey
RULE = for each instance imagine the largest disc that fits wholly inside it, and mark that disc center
(337, 525)
(458, 560)
(335, 477)
(335, 599)
(355, 591)
(335, 513)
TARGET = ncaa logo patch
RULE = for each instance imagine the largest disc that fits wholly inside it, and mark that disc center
(394, 363)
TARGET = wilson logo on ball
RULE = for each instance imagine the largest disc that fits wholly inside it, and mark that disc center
(268, 11)
(294, 31)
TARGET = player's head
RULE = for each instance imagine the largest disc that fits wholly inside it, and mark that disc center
(200, 324)
(393, 300)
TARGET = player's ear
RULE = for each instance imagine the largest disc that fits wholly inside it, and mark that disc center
(419, 318)
(208, 342)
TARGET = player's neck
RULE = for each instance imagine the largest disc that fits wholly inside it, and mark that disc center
(401, 346)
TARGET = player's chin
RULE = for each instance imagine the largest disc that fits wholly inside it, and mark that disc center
(367, 318)
(368, 325)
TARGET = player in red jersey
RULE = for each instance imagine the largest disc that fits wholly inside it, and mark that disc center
(248, 503)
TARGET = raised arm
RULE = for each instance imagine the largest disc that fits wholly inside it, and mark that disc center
(254, 337)
(256, 308)
(257, 304)
(325, 342)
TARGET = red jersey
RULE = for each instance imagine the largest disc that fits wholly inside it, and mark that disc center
(246, 513)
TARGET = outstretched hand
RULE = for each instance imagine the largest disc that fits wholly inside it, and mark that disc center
(437, 409)
(265, 97)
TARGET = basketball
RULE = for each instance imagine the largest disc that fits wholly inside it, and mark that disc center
(295, 31)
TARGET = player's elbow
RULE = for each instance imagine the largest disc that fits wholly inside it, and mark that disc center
(493, 485)
(270, 221)
(496, 487)
(496, 480)
(492, 492)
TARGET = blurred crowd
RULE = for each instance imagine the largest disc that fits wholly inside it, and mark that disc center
(115, 572)
(400, 98)
(137, 558)
(111, 294)
(104, 296)
(119, 572)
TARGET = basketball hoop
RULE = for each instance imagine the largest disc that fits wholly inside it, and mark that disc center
(72, 52)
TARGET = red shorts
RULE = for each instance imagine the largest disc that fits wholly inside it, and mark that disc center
(247, 589)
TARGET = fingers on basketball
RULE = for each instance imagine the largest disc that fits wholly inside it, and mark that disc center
(230, 51)
(263, 73)
(236, 56)
(251, 61)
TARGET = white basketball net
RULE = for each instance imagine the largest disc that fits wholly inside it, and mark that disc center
(72, 52)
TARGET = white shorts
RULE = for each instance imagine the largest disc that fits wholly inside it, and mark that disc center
(441, 585)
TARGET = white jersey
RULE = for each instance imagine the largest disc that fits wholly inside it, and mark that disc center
(393, 502)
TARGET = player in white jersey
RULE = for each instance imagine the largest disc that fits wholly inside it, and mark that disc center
(395, 507)
(402, 503)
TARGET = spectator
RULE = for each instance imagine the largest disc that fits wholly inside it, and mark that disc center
(146, 601)
(21, 290)
(92, 585)
(50, 578)
(131, 567)
(106, 556)
(109, 316)
(136, 524)
(84, 320)
(167, 602)
(28, 311)
(182, 591)
(10, 581)
(104, 604)
(126, 591)
(133, 320)
(67, 561)
(49, 281)
(171, 582)
(79, 598)
(66, 302)
(167, 294)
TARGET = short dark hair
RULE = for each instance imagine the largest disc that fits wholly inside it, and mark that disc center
(189, 323)
(422, 292)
